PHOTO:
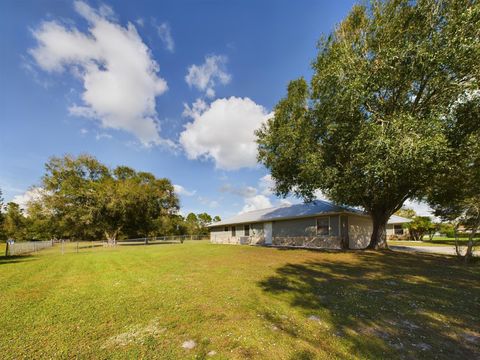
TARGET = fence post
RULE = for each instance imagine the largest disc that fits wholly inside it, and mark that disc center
(77, 246)
(6, 248)
(62, 245)
(146, 241)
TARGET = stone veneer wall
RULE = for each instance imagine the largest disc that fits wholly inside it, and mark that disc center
(318, 242)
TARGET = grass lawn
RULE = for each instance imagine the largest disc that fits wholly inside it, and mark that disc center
(237, 302)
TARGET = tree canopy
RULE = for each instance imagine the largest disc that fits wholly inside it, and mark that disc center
(90, 199)
(421, 226)
(14, 221)
(406, 213)
(455, 192)
(370, 130)
(81, 198)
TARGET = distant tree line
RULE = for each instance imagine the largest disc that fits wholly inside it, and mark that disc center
(80, 198)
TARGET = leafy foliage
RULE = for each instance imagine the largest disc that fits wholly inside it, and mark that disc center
(455, 193)
(14, 222)
(371, 128)
(80, 198)
(420, 226)
(196, 224)
(406, 213)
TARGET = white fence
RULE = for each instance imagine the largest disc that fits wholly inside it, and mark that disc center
(68, 246)
(26, 247)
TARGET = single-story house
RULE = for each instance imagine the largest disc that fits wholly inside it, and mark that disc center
(396, 227)
(318, 224)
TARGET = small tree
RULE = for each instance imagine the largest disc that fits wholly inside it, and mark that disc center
(40, 221)
(447, 228)
(191, 222)
(420, 226)
(14, 222)
(464, 213)
(204, 220)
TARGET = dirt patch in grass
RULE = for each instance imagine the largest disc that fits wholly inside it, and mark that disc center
(136, 334)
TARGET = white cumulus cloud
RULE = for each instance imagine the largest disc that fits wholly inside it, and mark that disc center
(180, 190)
(165, 34)
(224, 132)
(30, 195)
(206, 76)
(266, 185)
(420, 207)
(251, 198)
(119, 75)
(256, 202)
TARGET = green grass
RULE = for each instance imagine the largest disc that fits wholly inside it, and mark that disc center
(241, 302)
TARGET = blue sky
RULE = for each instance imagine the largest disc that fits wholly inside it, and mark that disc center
(172, 87)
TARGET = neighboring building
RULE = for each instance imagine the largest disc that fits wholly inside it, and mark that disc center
(319, 224)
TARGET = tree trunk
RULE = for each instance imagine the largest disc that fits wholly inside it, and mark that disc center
(457, 247)
(469, 252)
(379, 233)
(111, 238)
(430, 235)
(471, 242)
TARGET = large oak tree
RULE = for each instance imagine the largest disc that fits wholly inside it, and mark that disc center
(87, 199)
(370, 128)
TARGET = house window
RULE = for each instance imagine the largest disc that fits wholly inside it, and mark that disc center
(234, 233)
(246, 229)
(323, 226)
(225, 229)
(398, 229)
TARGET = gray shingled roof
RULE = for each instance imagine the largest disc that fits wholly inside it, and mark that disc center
(313, 208)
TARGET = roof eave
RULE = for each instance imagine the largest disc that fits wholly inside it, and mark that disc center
(287, 218)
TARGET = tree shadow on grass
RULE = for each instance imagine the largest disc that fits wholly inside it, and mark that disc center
(386, 304)
(149, 244)
(15, 259)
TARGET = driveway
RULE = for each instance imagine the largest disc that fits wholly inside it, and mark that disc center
(443, 250)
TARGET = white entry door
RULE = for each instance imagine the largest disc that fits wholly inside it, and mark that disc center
(267, 230)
